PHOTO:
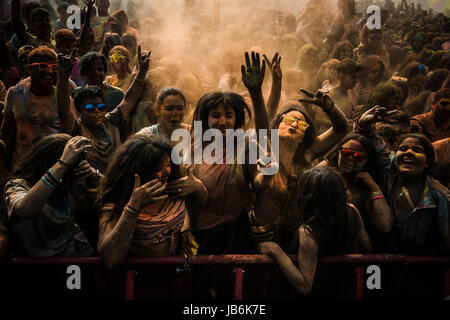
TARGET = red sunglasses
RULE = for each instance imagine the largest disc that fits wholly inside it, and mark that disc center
(358, 156)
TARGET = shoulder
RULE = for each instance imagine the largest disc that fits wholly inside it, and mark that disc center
(437, 188)
(307, 240)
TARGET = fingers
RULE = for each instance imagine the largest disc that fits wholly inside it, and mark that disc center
(139, 53)
(269, 64)
(263, 69)
(307, 101)
(275, 58)
(159, 190)
(243, 70)
(247, 60)
(155, 183)
(137, 181)
(156, 199)
(72, 55)
(83, 148)
(309, 94)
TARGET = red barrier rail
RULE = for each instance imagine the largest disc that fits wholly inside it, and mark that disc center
(240, 261)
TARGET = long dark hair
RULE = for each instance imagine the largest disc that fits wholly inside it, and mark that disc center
(43, 156)
(140, 154)
(324, 211)
(310, 133)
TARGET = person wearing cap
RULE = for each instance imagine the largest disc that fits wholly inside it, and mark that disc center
(61, 22)
(348, 73)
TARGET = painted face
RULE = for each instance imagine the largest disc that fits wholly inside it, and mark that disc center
(44, 71)
(442, 109)
(96, 72)
(163, 170)
(293, 126)
(92, 117)
(410, 158)
(172, 112)
(221, 118)
(118, 61)
(352, 157)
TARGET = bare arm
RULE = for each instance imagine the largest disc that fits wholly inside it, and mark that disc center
(364, 243)
(253, 77)
(379, 212)
(18, 25)
(115, 234)
(302, 278)
(134, 91)
(66, 117)
(275, 91)
(338, 121)
(31, 205)
(84, 35)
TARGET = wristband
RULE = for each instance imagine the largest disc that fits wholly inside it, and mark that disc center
(51, 175)
(376, 193)
(48, 183)
(64, 164)
(377, 197)
(130, 211)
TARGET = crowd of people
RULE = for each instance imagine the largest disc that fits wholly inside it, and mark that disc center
(87, 116)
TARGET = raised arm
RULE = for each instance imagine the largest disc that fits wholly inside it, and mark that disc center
(115, 234)
(135, 90)
(84, 35)
(253, 77)
(339, 126)
(31, 205)
(275, 91)
(17, 22)
(301, 277)
(66, 117)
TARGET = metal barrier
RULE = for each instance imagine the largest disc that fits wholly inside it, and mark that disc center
(240, 262)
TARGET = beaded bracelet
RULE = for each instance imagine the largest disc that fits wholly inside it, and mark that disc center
(376, 193)
(48, 183)
(377, 197)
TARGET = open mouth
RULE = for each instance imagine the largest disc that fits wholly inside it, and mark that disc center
(408, 162)
(47, 77)
(292, 130)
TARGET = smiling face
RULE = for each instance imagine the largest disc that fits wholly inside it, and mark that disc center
(352, 158)
(172, 112)
(92, 118)
(410, 158)
(293, 126)
(45, 74)
(221, 118)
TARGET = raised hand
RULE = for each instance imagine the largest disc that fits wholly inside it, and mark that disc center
(320, 99)
(65, 63)
(146, 194)
(374, 115)
(73, 149)
(89, 3)
(253, 72)
(274, 66)
(183, 187)
(143, 62)
(84, 171)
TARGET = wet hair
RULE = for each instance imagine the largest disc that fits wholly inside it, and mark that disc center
(79, 94)
(213, 99)
(41, 157)
(425, 143)
(324, 212)
(169, 91)
(372, 166)
(41, 53)
(310, 133)
(435, 79)
(443, 93)
(86, 60)
(140, 154)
